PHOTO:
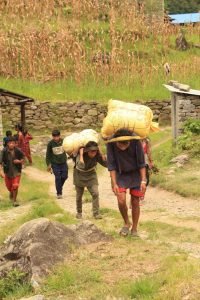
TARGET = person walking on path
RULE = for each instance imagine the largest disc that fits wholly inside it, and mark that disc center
(27, 150)
(56, 160)
(20, 138)
(85, 176)
(126, 164)
(6, 138)
(11, 160)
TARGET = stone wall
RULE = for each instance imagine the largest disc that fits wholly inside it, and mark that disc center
(184, 106)
(69, 115)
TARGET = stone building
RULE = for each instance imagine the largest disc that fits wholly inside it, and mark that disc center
(185, 105)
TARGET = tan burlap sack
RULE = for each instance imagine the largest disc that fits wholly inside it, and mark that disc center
(73, 142)
(135, 117)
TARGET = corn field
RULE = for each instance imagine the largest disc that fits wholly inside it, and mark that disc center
(81, 40)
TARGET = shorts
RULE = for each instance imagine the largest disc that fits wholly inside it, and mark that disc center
(12, 183)
(136, 192)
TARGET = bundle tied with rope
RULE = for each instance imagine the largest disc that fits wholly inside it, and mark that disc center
(75, 141)
(134, 117)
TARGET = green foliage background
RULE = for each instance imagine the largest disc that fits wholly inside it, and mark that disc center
(183, 6)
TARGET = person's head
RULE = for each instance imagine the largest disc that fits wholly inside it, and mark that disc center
(91, 148)
(123, 145)
(18, 128)
(56, 135)
(25, 131)
(11, 143)
(8, 133)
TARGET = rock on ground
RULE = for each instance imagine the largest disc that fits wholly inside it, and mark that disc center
(36, 297)
(40, 244)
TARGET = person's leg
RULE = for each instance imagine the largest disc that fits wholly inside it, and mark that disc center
(94, 191)
(64, 174)
(121, 197)
(135, 212)
(15, 186)
(58, 183)
(8, 183)
(79, 195)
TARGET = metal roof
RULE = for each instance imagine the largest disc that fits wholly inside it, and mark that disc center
(185, 18)
(175, 90)
(21, 98)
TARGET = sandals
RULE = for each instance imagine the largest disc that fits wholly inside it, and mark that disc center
(134, 234)
(124, 231)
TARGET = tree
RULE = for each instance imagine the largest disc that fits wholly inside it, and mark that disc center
(183, 6)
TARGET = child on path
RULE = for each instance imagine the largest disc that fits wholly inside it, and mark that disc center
(85, 176)
(56, 160)
(126, 164)
(6, 138)
(11, 160)
(20, 138)
(27, 150)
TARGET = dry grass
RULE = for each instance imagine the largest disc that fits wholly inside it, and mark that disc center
(88, 40)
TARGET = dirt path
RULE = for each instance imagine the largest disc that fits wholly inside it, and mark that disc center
(12, 214)
(160, 205)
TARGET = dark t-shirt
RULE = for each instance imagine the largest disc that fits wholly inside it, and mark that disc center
(6, 159)
(127, 163)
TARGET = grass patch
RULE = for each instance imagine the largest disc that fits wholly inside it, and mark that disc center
(67, 280)
(166, 232)
(144, 288)
(14, 285)
(189, 173)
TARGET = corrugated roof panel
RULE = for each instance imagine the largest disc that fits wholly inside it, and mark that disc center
(185, 18)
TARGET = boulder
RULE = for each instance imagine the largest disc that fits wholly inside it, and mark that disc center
(180, 160)
(40, 244)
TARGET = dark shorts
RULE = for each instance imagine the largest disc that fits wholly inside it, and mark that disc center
(136, 192)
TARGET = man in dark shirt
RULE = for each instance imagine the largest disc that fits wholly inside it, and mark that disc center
(11, 160)
(56, 160)
(126, 163)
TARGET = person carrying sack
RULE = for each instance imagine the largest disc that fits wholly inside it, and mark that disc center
(85, 176)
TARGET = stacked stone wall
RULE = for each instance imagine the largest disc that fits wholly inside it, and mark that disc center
(70, 115)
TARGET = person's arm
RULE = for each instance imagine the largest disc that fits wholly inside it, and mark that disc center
(143, 184)
(48, 157)
(115, 187)
(102, 159)
(149, 154)
(20, 158)
(80, 159)
(112, 167)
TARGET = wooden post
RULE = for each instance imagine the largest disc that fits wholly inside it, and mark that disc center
(175, 121)
(23, 115)
(1, 130)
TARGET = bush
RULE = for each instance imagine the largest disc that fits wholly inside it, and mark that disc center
(13, 281)
(190, 139)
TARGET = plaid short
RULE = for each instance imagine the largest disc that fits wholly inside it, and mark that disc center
(133, 191)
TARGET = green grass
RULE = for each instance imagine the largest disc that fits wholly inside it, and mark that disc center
(189, 174)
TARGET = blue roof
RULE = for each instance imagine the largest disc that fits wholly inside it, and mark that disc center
(185, 18)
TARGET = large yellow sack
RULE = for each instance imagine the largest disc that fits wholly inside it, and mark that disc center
(73, 142)
(135, 117)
